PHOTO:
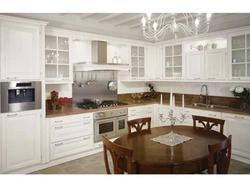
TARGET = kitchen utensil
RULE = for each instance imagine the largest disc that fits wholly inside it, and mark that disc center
(112, 85)
(81, 84)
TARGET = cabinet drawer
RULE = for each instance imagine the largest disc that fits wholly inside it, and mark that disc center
(69, 147)
(144, 108)
(72, 130)
(71, 118)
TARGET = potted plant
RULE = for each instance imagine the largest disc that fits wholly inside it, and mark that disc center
(244, 95)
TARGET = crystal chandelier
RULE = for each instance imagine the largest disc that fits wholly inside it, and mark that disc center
(189, 24)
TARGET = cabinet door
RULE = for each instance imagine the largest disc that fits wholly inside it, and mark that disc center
(20, 55)
(20, 140)
(195, 65)
(238, 127)
(138, 62)
(215, 64)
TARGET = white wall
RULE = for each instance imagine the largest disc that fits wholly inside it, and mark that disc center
(214, 89)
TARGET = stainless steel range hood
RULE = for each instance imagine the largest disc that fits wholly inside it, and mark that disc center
(99, 60)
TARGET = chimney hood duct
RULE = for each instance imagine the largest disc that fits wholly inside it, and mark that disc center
(99, 60)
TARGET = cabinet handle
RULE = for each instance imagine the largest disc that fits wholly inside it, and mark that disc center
(11, 114)
(59, 127)
(59, 144)
(211, 78)
(86, 117)
(132, 114)
(212, 115)
(178, 78)
(87, 137)
(65, 79)
(236, 78)
(86, 122)
(150, 111)
(59, 121)
(197, 78)
(239, 117)
(11, 77)
(132, 110)
(187, 111)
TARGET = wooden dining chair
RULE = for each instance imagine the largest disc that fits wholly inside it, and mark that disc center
(141, 124)
(121, 157)
(208, 122)
(220, 154)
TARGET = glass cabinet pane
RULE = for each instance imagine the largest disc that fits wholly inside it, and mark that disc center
(141, 61)
(177, 61)
(177, 72)
(238, 42)
(50, 42)
(168, 72)
(63, 57)
(51, 71)
(51, 56)
(63, 71)
(168, 51)
(134, 61)
(63, 43)
(168, 62)
(238, 70)
(177, 50)
(248, 69)
(141, 51)
(238, 56)
(248, 55)
(141, 72)
(133, 51)
(134, 72)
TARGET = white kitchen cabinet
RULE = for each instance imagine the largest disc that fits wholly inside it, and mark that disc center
(138, 62)
(239, 127)
(195, 65)
(70, 135)
(142, 112)
(215, 66)
(58, 62)
(173, 62)
(208, 65)
(239, 55)
(21, 139)
(21, 48)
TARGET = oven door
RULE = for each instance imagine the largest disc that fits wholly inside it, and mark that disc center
(122, 125)
(105, 127)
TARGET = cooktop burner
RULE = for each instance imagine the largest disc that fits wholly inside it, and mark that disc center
(106, 103)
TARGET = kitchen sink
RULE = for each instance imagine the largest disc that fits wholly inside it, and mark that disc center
(209, 106)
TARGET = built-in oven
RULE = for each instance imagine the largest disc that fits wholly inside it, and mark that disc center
(19, 96)
(110, 123)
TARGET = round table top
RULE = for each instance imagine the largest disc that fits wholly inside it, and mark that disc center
(187, 157)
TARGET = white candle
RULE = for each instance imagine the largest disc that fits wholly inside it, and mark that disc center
(173, 106)
(161, 105)
(171, 99)
(182, 103)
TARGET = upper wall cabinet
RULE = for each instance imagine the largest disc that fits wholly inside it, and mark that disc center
(206, 60)
(21, 50)
(239, 55)
(173, 62)
(58, 63)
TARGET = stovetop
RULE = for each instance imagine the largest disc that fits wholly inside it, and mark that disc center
(93, 105)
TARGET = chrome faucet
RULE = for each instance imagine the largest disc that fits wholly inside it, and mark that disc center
(207, 100)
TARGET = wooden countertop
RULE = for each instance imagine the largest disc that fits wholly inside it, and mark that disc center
(76, 110)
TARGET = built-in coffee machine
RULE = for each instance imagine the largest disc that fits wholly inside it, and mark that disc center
(20, 96)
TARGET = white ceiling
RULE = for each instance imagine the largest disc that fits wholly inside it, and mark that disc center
(124, 25)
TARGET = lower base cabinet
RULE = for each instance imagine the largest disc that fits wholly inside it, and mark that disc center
(70, 135)
(20, 136)
(239, 127)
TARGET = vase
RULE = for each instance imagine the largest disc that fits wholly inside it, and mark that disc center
(244, 104)
(62, 107)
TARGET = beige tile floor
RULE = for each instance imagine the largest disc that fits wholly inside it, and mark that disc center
(94, 164)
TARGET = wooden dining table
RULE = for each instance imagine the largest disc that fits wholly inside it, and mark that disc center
(150, 157)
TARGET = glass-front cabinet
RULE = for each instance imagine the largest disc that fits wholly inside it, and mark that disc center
(239, 55)
(57, 58)
(173, 62)
(137, 62)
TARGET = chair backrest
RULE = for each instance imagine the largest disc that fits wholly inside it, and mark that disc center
(121, 157)
(209, 122)
(138, 124)
(220, 154)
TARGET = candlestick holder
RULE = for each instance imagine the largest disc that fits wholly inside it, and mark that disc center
(172, 136)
